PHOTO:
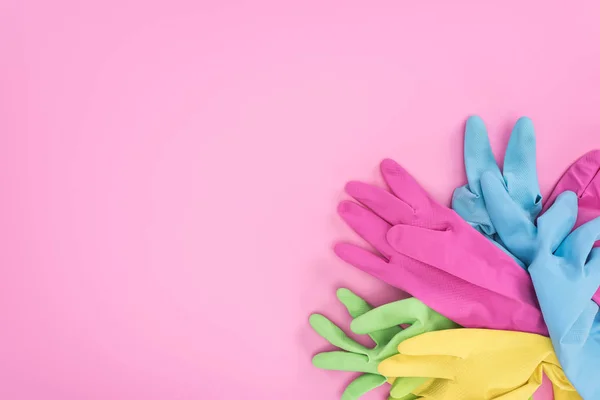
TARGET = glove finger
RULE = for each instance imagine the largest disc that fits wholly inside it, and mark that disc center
(560, 382)
(464, 261)
(514, 227)
(421, 244)
(403, 365)
(367, 225)
(365, 261)
(454, 342)
(578, 245)
(403, 388)
(387, 318)
(334, 335)
(556, 223)
(439, 249)
(590, 195)
(390, 347)
(357, 307)
(520, 170)
(388, 315)
(383, 203)
(478, 154)
(342, 361)
(362, 385)
(385, 337)
(407, 397)
(408, 311)
(463, 342)
(592, 272)
(471, 208)
(403, 185)
(580, 176)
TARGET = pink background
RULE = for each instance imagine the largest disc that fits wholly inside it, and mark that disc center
(170, 172)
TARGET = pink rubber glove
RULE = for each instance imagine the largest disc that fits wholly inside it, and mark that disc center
(583, 178)
(430, 252)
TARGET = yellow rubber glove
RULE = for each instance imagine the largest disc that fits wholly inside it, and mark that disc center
(477, 364)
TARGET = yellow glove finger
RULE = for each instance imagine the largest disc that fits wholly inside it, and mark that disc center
(402, 365)
(478, 364)
(563, 389)
(465, 342)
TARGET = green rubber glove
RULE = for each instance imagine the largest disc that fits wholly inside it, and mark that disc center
(382, 325)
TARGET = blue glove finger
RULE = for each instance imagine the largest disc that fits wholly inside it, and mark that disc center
(513, 225)
(471, 208)
(519, 170)
(478, 154)
(578, 245)
(556, 223)
(592, 274)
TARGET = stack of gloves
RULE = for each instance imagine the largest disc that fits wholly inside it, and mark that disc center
(504, 286)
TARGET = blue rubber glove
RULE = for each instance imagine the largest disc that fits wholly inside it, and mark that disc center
(565, 273)
(518, 178)
(516, 230)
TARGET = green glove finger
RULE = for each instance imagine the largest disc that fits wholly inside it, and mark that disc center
(361, 385)
(391, 347)
(408, 311)
(357, 307)
(407, 397)
(342, 361)
(386, 316)
(386, 336)
(354, 304)
(403, 387)
(427, 320)
(334, 335)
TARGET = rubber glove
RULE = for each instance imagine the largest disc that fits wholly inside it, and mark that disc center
(428, 251)
(478, 364)
(566, 274)
(520, 235)
(382, 325)
(583, 178)
(519, 176)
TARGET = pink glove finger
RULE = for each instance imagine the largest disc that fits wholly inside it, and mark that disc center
(579, 179)
(589, 197)
(593, 188)
(363, 259)
(381, 202)
(368, 226)
(583, 178)
(439, 249)
(466, 304)
(403, 185)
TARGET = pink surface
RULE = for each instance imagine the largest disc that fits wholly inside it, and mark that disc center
(170, 172)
